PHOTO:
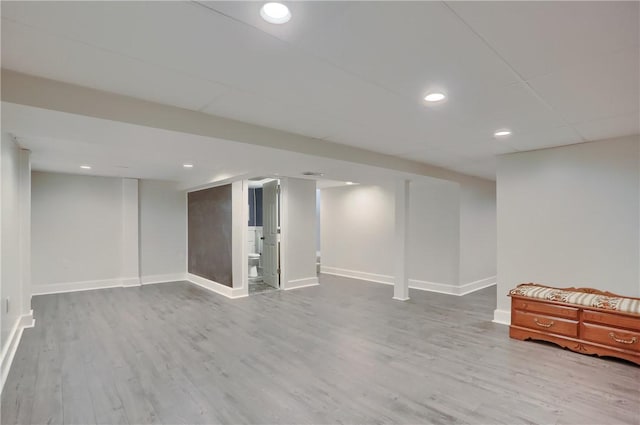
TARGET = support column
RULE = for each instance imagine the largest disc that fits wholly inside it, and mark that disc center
(130, 269)
(239, 235)
(24, 206)
(400, 245)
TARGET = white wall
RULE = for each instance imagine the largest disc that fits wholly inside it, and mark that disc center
(569, 216)
(91, 232)
(76, 229)
(163, 230)
(357, 231)
(10, 266)
(298, 217)
(130, 236)
(15, 306)
(478, 234)
(452, 241)
(434, 232)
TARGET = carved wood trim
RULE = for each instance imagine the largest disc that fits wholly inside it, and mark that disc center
(574, 344)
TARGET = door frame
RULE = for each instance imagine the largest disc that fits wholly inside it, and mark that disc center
(283, 234)
(271, 233)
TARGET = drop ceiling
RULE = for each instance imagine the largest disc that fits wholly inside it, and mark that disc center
(355, 73)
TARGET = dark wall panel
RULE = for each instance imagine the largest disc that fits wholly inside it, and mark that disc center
(209, 232)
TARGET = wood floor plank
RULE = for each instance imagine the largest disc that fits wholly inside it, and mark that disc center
(341, 352)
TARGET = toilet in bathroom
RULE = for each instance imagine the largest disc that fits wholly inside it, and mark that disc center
(254, 260)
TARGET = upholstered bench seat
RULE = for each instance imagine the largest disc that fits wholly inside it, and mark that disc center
(585, 320)
(579, 297)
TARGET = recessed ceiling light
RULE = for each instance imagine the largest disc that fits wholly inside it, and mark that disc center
(85, 167)
(435, 97)
(275, 13)
(349, 183)
(187, 165)
(502, 133)
(313, 173)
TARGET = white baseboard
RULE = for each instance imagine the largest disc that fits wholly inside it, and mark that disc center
(301, 283)
(89, 285)
(11, 346)
(130, 281)
(400, 299)
(216, 287)
(502, 317)
(422, 285)
(470, 287)
(371, 277)
(162, 278)
(441, 288)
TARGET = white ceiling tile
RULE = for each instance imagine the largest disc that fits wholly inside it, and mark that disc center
(307, 16)
(608, 128)
(478, 148)
(73, 62)
(608, 86)
(436, 157)
(407, 47)
(545, 138)
(537, 37)
(514, 106)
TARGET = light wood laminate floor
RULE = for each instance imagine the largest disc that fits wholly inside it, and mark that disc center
(341, 352)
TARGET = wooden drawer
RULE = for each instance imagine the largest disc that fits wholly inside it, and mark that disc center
(615, 320)
(545, 308)
(613, 337)
(549, 324)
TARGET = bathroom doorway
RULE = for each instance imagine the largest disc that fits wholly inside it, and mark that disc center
(264, 235)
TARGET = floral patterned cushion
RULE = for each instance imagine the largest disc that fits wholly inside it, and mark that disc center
(579, 297)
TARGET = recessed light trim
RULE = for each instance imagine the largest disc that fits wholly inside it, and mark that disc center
(85, 167)
(435, 97)
(313, 173)
(502, 133)
(187, 165)
(275, 13)
(349, 183)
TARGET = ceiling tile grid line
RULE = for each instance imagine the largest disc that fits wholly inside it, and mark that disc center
(515, 72)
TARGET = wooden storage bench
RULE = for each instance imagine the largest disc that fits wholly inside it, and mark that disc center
(584, 320)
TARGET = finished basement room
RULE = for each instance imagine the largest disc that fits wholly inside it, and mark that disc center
(319, 212)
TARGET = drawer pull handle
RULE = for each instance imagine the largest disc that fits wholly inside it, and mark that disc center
(613, 336)
(544, 325)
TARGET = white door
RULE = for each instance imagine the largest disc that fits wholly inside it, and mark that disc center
(270, 234)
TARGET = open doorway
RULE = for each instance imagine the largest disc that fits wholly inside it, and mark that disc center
(264, 235)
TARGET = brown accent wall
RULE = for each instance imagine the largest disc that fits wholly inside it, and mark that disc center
(209, 234)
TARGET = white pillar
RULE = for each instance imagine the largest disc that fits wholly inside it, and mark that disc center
(130, 263)
(239, 235)
(400, 246)
(24, 206)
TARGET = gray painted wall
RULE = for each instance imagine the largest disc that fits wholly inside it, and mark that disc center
(209, 234)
